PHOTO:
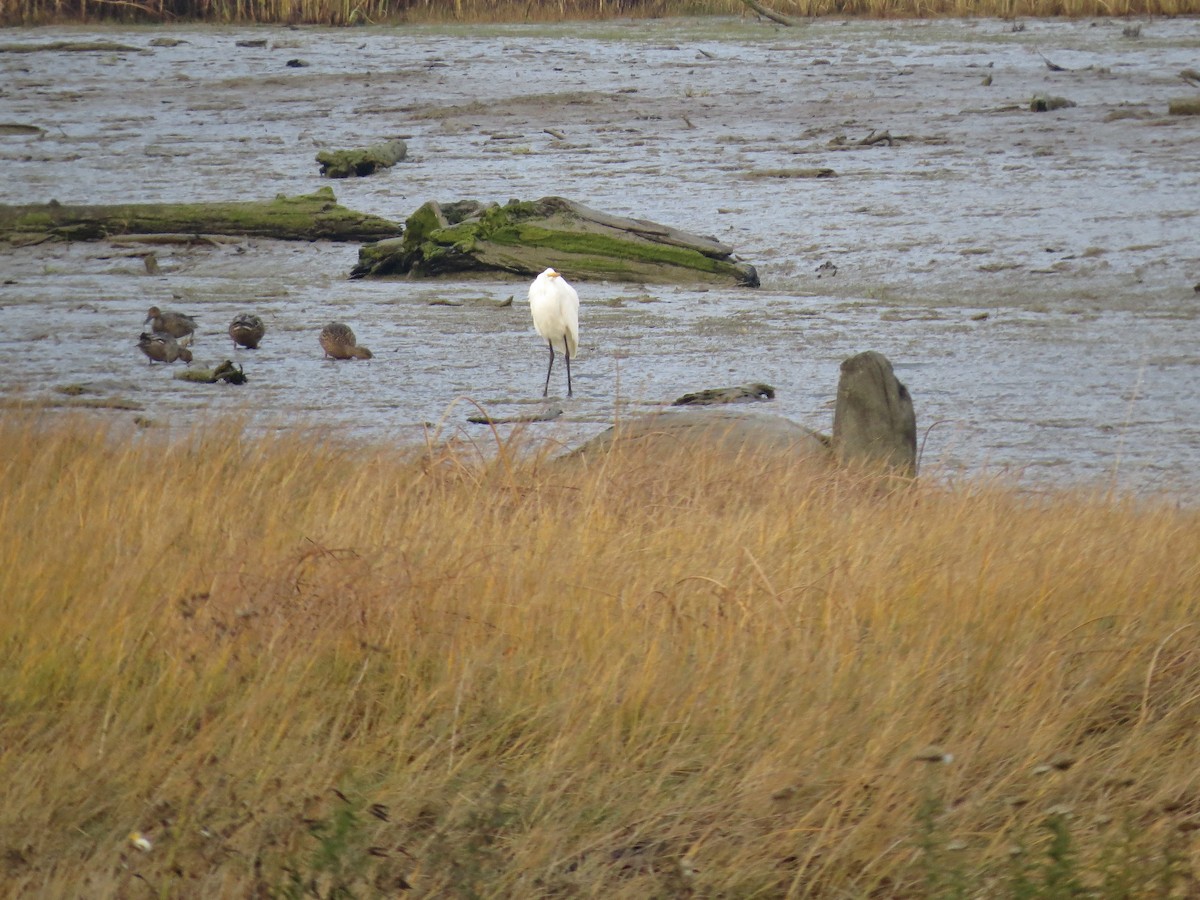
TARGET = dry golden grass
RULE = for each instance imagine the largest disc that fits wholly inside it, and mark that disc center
(300, 668)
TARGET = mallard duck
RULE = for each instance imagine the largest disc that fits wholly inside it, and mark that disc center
(176, 324)
(338, 342)
(247, 330)
(161, 347)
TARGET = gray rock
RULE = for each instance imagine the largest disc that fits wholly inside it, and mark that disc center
(873, 421)
(734, 431)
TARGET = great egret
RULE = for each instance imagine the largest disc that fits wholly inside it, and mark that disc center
(338, 342)
(162, 347)
(555, 309)
(176, 324)
(247, 330)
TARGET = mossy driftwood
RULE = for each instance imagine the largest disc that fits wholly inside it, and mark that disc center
(308, 217)
(363, 161)
(525, 237)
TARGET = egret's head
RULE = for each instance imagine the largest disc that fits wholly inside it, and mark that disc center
(550, 273)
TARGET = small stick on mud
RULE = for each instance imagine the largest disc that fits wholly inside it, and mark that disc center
(1053, 67)
(873, 138)
(768, 13)
(555, 134)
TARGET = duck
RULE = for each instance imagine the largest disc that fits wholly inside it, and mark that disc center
(247, 330)
(338, 342)
(162, 347)
(176, 324)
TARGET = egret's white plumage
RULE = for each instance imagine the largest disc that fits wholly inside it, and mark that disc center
(555, 309)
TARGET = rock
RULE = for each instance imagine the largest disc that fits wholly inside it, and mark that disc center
(873, 424)
(526, 237)
(1045, 103)
(690, 429)
(873, 421)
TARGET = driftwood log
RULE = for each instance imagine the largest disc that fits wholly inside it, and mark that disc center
(316, 216)
(526, 237)
(712, 396)
(768, 13)
(363, 161)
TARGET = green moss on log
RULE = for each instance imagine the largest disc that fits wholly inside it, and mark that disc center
(525, 237)
(363, 161)
(316, 216)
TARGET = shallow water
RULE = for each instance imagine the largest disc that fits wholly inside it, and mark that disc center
(1074, 231)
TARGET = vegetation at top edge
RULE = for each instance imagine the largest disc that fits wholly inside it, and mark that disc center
(363, 12)
(290, 666)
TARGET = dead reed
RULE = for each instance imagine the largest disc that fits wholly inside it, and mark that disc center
(300, 668)
(359, 12)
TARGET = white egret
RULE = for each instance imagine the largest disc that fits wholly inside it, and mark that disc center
(554, 306)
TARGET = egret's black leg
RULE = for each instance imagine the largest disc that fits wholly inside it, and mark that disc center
(567, 354)
(549, 368)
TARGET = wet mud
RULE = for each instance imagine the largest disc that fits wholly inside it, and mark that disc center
(1029, 274)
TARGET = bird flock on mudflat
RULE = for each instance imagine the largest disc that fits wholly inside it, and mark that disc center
(553, 304)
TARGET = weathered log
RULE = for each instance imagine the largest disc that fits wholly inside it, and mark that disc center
(71, 47)
(873, 420)
(1188, 106)
(769, 13)
(549, 414)
(309, 217)
(526, 237)
(363, 161)
(710, 397)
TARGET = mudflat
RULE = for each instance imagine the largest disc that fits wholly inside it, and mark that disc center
(1030, 274)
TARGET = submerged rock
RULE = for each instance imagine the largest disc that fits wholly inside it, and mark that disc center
(526, 237)
(698, 428)
(873, 425)
(1048, 102)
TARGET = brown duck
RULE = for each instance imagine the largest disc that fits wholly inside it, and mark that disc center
(161, 347)
(247, 330)
(338, 342)
(176, 324)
